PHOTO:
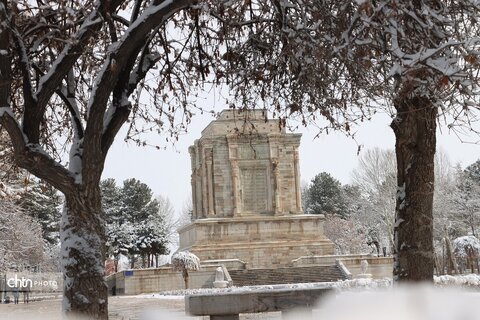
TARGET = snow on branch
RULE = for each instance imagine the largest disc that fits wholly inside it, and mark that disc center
(71, 52)
(466, 243)
(185, 260)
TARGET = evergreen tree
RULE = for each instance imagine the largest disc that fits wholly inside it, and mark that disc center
(120, 240)
(137, 202)
(43, 203)
(34, 197)
(473, 172)
(466, 201)
(326, 196)
(111, 200)
(137, 224)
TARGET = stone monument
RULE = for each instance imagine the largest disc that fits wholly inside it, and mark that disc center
(246, 194)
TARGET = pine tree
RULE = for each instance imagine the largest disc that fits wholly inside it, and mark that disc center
(466, 201)
(137, 201)
(43, 203)
(111, 200)
(137, 224)
(473, 172)
(326, 196)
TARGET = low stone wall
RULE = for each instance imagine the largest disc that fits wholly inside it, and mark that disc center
(138, 281)
(378, 267)
(327, 260)
(230, 264)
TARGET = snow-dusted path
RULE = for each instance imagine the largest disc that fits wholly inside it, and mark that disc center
(121, 308)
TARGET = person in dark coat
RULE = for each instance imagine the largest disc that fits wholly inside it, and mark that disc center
(16, 295)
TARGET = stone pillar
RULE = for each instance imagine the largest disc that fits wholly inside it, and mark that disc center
(234, 174)
(194, 195)
(276, 187)
(235, 187)
(204, 176)
(298, 190)
(273, 142)
(199, 197)
(209, 171)
(193, 180)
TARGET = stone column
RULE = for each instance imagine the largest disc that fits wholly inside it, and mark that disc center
(199, 195)
(276, 187)
(298, 190)
(204, 176)
(193, 179)
(236, 196)
(194, 195)
(274, 141)
(210, 192)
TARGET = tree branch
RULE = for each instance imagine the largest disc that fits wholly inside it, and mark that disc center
(5, 57)
(120, 19)
(31, 157)
(31, 114)
(67, 94)
(71, 52)
(119, 55)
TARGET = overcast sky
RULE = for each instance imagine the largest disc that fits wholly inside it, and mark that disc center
(168, 171)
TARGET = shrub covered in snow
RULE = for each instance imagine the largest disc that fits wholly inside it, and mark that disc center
(463, 244)
(185, 261)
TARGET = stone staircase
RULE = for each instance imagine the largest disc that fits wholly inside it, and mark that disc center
(253, 277)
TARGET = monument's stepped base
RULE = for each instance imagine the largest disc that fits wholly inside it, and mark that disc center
(261, 242)
(263, 254)
(253, 277)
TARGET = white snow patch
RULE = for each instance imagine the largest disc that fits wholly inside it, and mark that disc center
(401, 193)
(462, 244)
(419, 302)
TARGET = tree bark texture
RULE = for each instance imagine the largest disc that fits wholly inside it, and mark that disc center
(185, 277)
(83, 256)
(415, 133)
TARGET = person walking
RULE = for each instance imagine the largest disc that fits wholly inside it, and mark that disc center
(26, 295)
(16, 294)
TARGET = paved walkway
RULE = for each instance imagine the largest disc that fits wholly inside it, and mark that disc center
(120, 308)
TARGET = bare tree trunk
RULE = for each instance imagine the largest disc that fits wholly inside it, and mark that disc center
(83, 255)
(5, 63)
(444, 264)
(185, 277)
(451, 261)
(415, 130)
(156, 261)
(438, 269)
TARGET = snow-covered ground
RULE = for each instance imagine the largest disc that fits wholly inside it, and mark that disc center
(359, 299)
(461, 281)
(366, 299)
